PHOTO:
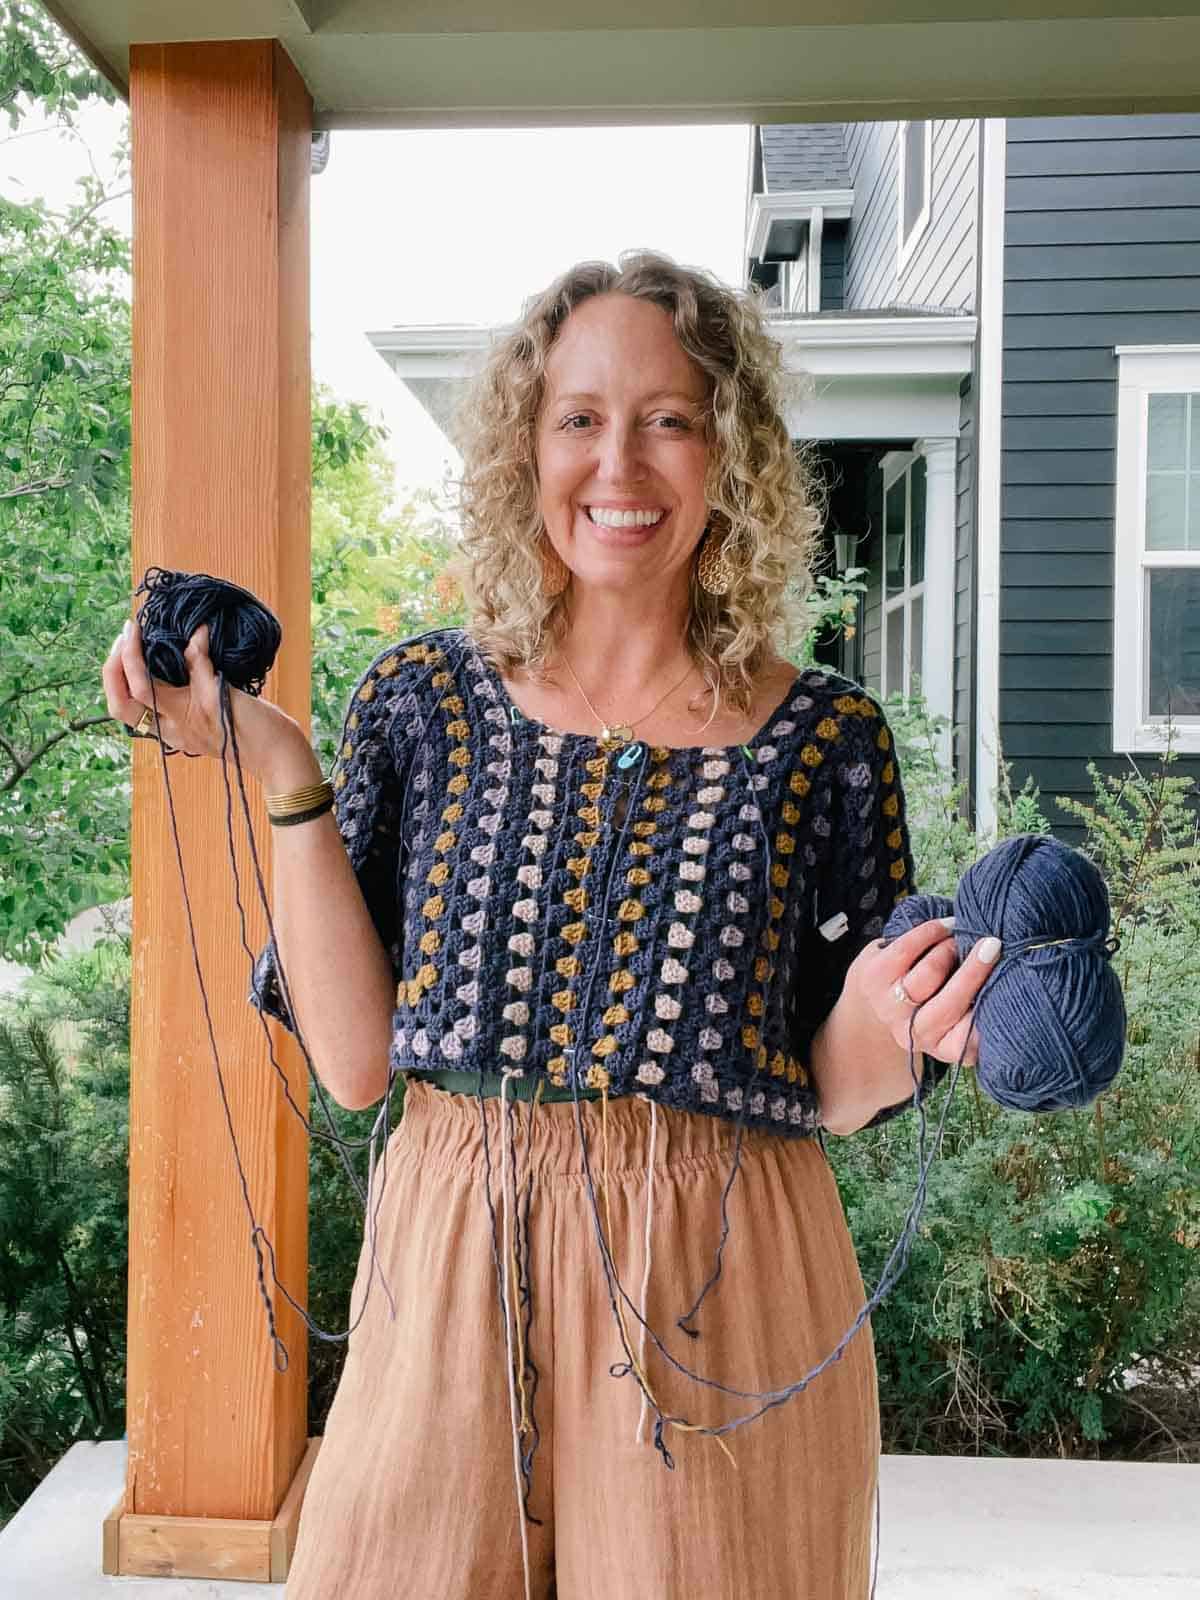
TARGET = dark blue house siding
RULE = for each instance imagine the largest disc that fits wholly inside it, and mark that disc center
(833, 267)
(1102, 247)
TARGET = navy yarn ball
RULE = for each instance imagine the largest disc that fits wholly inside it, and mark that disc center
(243, 635)
(1051, 1018)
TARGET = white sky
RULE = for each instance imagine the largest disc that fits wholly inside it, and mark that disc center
(434, 227)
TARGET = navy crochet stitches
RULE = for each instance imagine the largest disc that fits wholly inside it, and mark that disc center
(632, 918)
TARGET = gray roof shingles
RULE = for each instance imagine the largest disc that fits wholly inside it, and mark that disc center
(804, 155)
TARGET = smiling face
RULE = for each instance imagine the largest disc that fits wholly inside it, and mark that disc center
(622, 448)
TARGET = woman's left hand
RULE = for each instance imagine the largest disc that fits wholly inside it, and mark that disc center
(917, 982)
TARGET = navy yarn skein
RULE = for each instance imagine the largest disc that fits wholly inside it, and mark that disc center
(243, 635)
(1051, 1017)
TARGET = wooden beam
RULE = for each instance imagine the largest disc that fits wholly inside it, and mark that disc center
(221, 484)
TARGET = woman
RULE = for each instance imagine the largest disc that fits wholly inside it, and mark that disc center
(604, 851)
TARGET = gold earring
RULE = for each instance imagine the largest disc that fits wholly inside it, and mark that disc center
(556, 574)
(713, 571)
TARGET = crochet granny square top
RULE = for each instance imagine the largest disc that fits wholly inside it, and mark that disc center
(672, 922)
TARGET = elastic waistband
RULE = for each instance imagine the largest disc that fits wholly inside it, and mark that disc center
(447, 1130)
(489, 1084)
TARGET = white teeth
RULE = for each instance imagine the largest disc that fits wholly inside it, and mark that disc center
(608, 518)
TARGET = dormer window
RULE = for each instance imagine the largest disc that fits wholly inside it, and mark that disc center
(915, 146)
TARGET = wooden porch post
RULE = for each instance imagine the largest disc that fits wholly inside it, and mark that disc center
(221, 484)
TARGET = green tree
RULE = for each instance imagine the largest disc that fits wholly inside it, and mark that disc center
(379, 573)
(64, 494)
(39, 64)
(65, 577)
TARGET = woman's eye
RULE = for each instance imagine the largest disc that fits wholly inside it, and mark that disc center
(569, 423)
(673, 422)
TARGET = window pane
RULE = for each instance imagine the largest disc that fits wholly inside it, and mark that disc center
(1166, 494)
(1194, 505)
(916, 644)
(916, 570)
(914, 174)
(1194, 408)
(1166, 445)
(1173, 630)
(893, 628)
(893, 538)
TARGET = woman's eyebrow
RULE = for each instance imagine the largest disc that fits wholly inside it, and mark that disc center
(581, 397)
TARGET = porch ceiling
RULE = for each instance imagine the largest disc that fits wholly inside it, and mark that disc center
(429, 63)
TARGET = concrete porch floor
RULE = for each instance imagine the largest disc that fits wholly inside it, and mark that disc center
(953, 1529)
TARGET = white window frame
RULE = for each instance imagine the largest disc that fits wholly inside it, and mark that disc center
(1142, 370)
(898, 464)
(906, 246)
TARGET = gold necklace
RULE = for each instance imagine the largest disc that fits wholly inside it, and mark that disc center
(622, 730)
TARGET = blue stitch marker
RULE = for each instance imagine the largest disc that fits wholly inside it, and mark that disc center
(514, 715)
(628, 757)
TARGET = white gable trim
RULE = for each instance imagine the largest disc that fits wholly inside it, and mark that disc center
(792, 205)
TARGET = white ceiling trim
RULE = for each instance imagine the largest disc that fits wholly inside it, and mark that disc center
(383, 65)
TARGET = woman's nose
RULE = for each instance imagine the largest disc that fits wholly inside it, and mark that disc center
(621, 455)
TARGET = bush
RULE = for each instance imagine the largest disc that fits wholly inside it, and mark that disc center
(1052, 1300)
(64, 1240)
(64, 1112)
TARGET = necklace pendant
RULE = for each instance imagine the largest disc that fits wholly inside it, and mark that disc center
(622, 731)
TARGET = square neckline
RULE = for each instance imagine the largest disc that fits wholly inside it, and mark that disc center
(523, 718)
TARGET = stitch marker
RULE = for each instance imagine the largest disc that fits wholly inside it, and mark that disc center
(747, 752)
(514, 715)
(628, 757)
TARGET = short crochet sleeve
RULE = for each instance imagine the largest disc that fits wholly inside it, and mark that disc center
(367, 784)
(867, 869)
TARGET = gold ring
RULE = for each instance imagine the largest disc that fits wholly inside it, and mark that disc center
(144, 724)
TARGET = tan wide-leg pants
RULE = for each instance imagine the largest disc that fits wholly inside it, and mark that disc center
(414, 1492)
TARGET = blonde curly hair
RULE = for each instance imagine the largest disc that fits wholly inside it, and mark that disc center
(764, 496)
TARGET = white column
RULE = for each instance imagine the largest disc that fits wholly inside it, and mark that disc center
(812, 285)
(987, 511)
(937, 646)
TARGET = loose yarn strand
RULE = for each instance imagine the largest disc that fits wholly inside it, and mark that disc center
(380, 1129)
(244, 637)
(526, 1291)
(505, 1163)
(229, 733)
(739, 1126)
(280, 1349)
(639, 1437)
(332, 1136)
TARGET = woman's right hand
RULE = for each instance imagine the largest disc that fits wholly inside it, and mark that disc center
(272, 745)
